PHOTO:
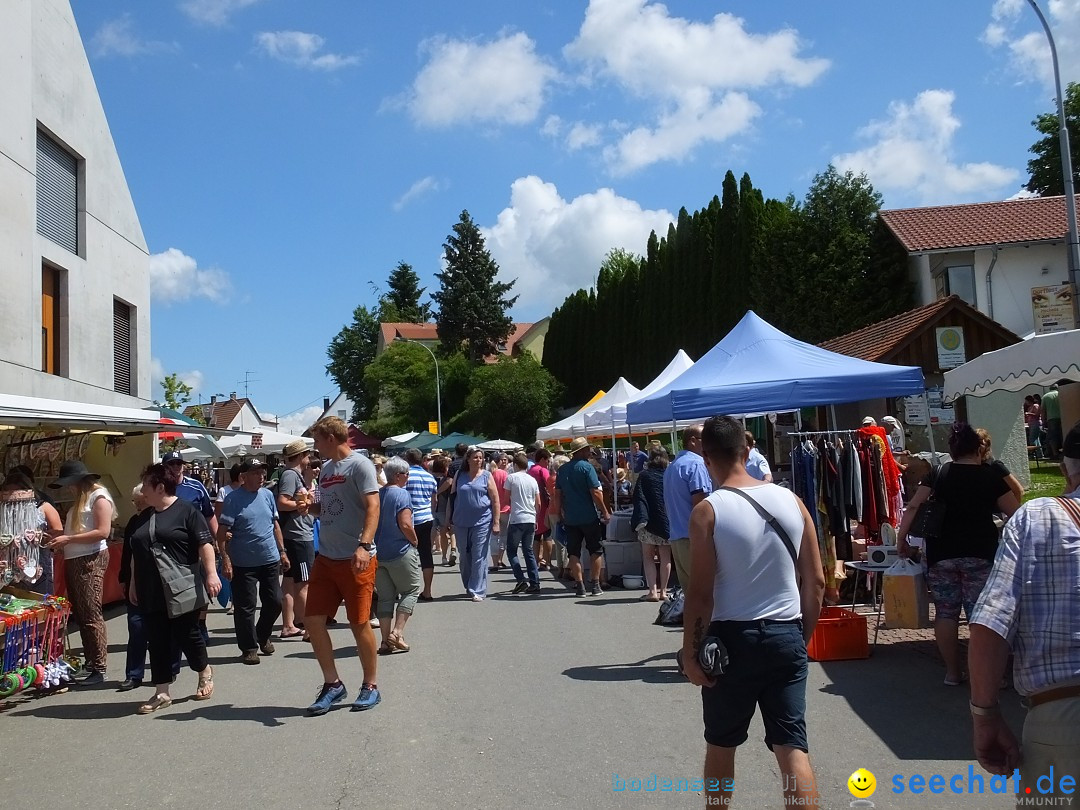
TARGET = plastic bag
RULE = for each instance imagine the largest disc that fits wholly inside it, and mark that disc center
(907, 604)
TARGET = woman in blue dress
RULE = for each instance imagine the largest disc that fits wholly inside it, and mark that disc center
(474, 514)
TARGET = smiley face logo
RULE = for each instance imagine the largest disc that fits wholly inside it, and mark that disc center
(862, 784)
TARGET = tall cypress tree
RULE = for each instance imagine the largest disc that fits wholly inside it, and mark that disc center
(473, 307)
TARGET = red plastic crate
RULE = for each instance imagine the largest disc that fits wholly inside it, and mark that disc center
(840, 635)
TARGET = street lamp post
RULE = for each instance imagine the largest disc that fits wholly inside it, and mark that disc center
(438, 384)
(1066, 164)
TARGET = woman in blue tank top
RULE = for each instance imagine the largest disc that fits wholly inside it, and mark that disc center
(474, 515)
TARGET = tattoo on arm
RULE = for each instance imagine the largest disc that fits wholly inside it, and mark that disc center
(699, 633)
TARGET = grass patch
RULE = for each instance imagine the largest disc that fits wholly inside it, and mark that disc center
(1046, 481)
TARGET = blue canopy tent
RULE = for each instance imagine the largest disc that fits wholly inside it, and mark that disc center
(756, 368)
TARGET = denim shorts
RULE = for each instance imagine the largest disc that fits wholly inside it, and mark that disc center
(767, 668)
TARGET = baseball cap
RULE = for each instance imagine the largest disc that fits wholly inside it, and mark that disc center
(253, 464)
(170, 457)
(1071, 446)
(869, 421)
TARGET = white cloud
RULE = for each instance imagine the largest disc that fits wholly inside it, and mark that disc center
(912, 151)
(301, 49)
(298, 421)
(553, 246)
(194, 378)
(695, 73)
(423, 186)
(502, 82)
(118, 38)
(552, 126)
(214, 12)
(1014, 27)
(582, 135)
(175, 276)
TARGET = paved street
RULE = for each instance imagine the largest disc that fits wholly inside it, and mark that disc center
(517, 702)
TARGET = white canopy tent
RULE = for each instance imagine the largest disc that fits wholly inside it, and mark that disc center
(1042, 360)
(612, 419)
(401, 438)
(241, 445)
(574, 425)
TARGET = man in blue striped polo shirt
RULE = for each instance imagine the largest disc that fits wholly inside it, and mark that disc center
(421, 489)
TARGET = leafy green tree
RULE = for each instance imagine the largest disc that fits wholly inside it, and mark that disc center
(401, 385)
(350, 353)
(1045, 168)
(509, 399)
(473, 307)
(197, 416)
(401, 304)
(177, 392)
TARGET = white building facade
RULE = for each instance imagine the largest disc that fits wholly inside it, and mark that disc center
(74, 266)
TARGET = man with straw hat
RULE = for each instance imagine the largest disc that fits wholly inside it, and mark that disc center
(579, 503)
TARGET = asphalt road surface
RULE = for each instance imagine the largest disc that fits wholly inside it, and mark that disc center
(543, 701)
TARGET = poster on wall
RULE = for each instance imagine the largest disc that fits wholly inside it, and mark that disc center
(940, 413)
(1053, 308)
(915, 411)
(950, 347)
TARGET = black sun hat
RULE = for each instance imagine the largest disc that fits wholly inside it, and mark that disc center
(72, 472)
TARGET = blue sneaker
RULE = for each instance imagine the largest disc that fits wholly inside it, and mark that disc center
(329, 694)
(369, 696)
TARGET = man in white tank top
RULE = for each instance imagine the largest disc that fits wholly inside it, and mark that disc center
(761, 600)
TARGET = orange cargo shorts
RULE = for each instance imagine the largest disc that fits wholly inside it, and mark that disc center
(335, 581)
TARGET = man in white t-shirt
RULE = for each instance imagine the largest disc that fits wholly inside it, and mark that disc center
(756, 464)
(524, 495)
(759, 595)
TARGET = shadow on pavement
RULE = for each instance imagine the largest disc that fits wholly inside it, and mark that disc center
(901, 681)
(82, 711)
(636, 671)
(269, 716)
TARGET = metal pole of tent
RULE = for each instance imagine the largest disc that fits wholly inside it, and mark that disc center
(929, 423)
(832, 417)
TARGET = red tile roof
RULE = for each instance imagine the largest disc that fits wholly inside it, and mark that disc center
(225, 410)
(879, 340)
(1033, 219)
(430, 332)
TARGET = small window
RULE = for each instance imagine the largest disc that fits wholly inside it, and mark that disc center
(57, 193)
(51, 338)
(502, 348)
(341, 415)
(960, 280)
(123, 345)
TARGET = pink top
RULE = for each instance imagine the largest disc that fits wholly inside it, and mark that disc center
(542, 476)
(500, 477)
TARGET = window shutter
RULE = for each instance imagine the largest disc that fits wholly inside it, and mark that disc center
(57, 193)
(122, 348)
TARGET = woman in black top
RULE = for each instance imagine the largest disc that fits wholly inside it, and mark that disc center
(181, 530)
(651, 523)
(960, 559)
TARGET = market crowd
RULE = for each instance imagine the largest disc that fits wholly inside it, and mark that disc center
(336, 528)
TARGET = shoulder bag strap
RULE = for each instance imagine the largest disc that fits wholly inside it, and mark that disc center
(771, 520)
(153, 528)
(1072, 507)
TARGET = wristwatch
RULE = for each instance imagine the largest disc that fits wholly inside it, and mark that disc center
(365, 546)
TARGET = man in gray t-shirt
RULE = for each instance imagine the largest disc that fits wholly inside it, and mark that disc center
(344, 571)
(297, 531)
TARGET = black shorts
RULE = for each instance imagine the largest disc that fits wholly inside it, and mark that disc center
(589, 534)
(423, 544)
(301, 557)
(767, 669)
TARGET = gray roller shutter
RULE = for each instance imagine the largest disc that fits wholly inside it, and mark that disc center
(57, 193)
(122, 348)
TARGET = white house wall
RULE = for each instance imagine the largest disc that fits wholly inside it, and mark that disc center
(47, 82)
(1018, 269)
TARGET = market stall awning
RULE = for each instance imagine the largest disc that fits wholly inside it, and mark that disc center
(563, 429)
(500, 444)
(757, 368)
(617, 396)
(401, 438)
(255, 443)
(82, 417)
(613, 417)
(1041, 360)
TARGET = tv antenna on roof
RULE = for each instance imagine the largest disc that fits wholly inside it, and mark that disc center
(247, 382)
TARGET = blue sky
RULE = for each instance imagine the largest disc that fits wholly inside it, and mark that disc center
(284, 154)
